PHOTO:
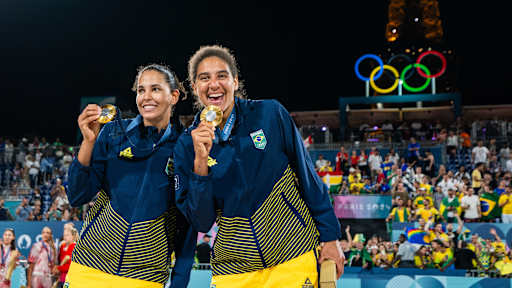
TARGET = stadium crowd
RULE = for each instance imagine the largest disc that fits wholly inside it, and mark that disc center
(473, 184)
(35, 172)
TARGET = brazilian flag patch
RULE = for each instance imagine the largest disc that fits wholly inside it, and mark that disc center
(259, 140)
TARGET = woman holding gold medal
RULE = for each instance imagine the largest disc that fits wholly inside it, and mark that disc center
(9, 255)
(134, 226)
(243, 164)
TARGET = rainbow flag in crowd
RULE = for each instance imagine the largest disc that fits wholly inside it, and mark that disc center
(333, 180)
(417, 236)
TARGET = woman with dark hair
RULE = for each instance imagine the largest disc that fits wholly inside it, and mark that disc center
(133, 228)
(254, 177)
(9, 255)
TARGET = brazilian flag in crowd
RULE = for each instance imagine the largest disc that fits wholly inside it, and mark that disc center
(455, 207)
(489, 205)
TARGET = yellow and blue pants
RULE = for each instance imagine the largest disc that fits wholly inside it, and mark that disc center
(80, 276)
(300, 272)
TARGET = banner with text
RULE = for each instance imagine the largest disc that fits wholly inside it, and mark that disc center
(362, 207)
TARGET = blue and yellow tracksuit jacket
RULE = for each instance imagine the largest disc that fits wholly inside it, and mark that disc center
(268, 201)
(134, 225)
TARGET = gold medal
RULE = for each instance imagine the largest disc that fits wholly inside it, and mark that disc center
(211, 114)
(108, 112)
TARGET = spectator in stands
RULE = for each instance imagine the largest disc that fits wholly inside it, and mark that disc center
(401, 213)
(354, 159)
(419, 200)
(32, 168)
(480, 153)
(465, 140)
(62, 200)
(505, 203)
(359, 256)
(464, 257)
(476, 175)
(47, 162)
(508, 164)
(342, 160)
(9, 256)
(501, 188)
(429, 164)
(362, 164)
(5, 214)
(446, 183)
(57, 189)
(494, 166)
(23, 210)
(470, 204)
(452, 142)
(375, 161)
(53, 213)
(449, 207)
(461, 173)
(204, 249)
(355, 181)
(346, 245)
(442, 256)
(393, 156)
(422, 259)
(413, 150)
(8, 152)
(41, 261)
(35, 196)
(406, 252)
(504, 155)
(36, 214)
(322, 164)
(399, 190)
(427, 212)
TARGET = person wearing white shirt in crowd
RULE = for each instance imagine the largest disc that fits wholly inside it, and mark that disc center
(508, 164)
(321, 163)
(452, 141)
(418, 174)
(393, 156)
(32, 167)
(471, 205)
(462, 173)
(480, 153)
(445, 184)
(504, 155)
(375, 160)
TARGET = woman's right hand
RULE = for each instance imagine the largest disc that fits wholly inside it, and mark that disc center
(87, 121)
(202, 137)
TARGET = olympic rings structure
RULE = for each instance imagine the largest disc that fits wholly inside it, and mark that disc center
(400, 78)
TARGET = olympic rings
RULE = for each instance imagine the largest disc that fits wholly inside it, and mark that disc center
(422, 70)
(373, 56)
(407, 59)
(415, 89)
(387, 90)
(438, 54)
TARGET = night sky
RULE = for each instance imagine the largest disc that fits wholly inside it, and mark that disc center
(54, 52)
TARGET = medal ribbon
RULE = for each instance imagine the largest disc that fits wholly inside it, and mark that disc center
(49, 252)
(6, 256)
(224, 134)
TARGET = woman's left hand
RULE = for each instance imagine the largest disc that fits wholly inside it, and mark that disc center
(332, 250)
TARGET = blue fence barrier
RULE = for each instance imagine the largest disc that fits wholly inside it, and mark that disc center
(401, 277)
